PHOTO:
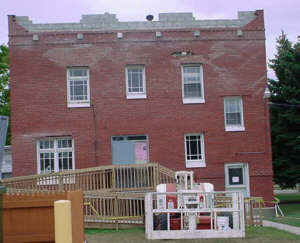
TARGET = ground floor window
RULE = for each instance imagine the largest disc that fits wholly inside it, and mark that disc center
(237, 178)
(55, 154)
(194, 150)
(130, 149)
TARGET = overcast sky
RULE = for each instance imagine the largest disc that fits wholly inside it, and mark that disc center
(279, 14)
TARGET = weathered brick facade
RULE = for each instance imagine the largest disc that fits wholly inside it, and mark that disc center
(233, 65)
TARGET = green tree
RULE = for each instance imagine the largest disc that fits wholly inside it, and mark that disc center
(4, 86)
(285, 112)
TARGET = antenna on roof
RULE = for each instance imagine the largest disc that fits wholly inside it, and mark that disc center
(149, 17)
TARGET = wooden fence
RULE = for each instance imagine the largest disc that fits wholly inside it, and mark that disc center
(29, 217)
(143, 177)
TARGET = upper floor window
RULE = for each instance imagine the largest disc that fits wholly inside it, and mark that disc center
(194, 150)
(78, 87)
(192, 83)
(55, 154)
(233, 109)
(135, 82)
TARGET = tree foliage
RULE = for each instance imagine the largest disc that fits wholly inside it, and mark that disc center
(4, 86)
(285, 112)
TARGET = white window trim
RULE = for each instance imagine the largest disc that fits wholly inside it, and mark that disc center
(56, 165)
(246, 176)
(136, 95)
(195, 163)
(78, 103)
(196, 100)
(234, 128)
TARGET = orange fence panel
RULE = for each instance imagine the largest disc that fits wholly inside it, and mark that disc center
(29, 217)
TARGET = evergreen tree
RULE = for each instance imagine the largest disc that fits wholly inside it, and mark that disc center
(285, 112)
(4, 86)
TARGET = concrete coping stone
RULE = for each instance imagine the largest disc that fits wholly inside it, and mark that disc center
(109, 22)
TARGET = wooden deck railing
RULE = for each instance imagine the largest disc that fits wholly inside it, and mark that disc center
(114, 208)
(113, 178)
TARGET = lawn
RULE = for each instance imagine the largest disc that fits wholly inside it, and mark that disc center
(290, 206)
(253, 235)
(288, 197)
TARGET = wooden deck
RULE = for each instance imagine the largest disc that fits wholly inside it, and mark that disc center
(113, 195)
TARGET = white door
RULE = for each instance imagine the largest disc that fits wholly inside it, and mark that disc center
(237, 178)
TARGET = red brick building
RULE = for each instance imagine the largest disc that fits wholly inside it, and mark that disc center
(183, 92)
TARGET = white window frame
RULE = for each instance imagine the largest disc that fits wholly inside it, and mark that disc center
(78, 103)
(54, 150)
(136, 95)
(192, 100)
(246, 177)
(195, 163)
(232, 128)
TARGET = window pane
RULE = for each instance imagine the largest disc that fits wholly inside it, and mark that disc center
(63, 151)
(135, 79)
(188, 151)
(233, 111)
(65, 163)
(117, 138)
(232, 105)
(78, 90)
(78, 84)
(191, 69)
(47, 162)
(64, 143)
(65, 160)
(136, 138)
(192, 90)
(76, 72)
(192, 82)
(236, 176)
(193, 147)
(60, 165)
(70, 163)
(233, 119)
(46, 144)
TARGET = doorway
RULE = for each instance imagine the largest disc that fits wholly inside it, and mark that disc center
(129, 149)
(237, 178)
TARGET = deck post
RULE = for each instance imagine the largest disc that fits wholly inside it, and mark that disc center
(60, 182)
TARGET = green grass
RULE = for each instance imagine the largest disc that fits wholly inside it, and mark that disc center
(290, 206)
(291, 213)
(253, 235)
(288, 197)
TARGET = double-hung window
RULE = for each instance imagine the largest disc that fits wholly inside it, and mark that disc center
(78, 87)
(55, 154)
(233, 113)
(135, 82)
(192, 83)
(194, 150)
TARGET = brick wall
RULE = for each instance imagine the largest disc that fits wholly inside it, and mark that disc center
(232, 65)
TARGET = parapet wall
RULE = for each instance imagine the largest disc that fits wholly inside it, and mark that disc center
(106, 21)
